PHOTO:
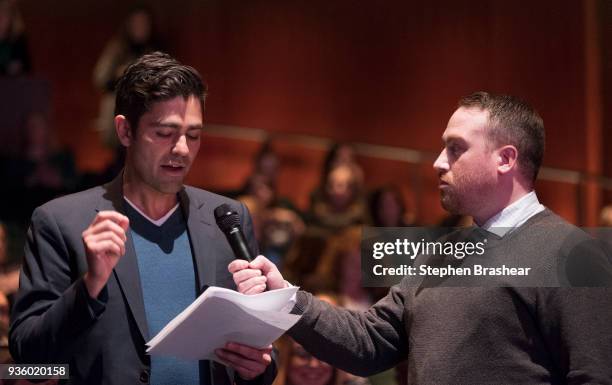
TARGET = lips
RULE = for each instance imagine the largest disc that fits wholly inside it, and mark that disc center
(176, 169)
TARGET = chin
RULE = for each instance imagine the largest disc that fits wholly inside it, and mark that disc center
(170, 188)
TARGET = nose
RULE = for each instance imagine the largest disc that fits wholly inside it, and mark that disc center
(180, 147)
(441, 163)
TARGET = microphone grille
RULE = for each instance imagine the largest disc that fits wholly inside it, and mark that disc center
(226, 218)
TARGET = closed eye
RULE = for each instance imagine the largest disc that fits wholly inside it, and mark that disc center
(164, 134)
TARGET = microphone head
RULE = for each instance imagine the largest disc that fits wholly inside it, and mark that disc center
(226, 218)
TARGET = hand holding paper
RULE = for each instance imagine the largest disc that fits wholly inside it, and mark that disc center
(247, 361)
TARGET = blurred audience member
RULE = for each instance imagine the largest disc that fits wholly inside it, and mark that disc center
(276, 224)
(341, 154)
(137, 36)
(41, 172)
(267, 163)
(9, 271)
(14, 55)
(302, 258)
(387, 208)
(340, 267)
(298, 367)
(340, 203)
(605, 218)
(5, 355)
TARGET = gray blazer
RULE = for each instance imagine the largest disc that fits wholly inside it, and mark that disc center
(53, 320)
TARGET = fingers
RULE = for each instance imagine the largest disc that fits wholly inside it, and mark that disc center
(247, 280)
(254, 289)
(98, 243)
(245, 275)
(247, 361)
(237, 265)
(104, 238)
(100, 226)
(253, 285)
(262, 263)
(113, 216)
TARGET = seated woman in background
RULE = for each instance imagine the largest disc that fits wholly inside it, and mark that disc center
(341, 202)
(298, 367)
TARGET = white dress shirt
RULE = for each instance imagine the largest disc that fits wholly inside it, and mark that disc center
(514, 215)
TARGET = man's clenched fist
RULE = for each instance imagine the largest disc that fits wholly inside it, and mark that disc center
(104, 242)
(253, 277)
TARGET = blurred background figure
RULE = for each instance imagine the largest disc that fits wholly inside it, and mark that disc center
(341, 154)
(605, 218)
(276, 220)
(340, 201)
(339, 269)
(14, 54)
(9, 267)
(387, 208)
(138, 35)
(303, 257)
(40, 171)
(298, 367)
(5, 355)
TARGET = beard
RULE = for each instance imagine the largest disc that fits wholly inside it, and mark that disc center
(467, 194)
(451, 201)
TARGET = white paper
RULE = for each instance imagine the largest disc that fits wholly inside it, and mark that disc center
(221, 315)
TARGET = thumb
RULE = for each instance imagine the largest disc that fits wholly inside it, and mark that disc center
(262, 263)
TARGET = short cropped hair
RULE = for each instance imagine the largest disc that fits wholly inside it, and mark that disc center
(152, 78)
(512, 121)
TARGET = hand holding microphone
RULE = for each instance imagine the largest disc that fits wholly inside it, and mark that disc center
(250, 275)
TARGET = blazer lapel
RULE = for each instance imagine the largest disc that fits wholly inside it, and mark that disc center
(126, 270)
(200, 225)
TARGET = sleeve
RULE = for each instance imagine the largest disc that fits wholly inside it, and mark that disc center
(53, 308)
(575, 323)
(362, 343)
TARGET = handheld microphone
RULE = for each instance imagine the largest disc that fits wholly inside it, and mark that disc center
(229, 222)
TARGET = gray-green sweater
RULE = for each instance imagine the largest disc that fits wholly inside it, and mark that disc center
(455, 335)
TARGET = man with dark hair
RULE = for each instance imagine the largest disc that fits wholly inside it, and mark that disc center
(106, 269)
(512, 121)
(504, 334)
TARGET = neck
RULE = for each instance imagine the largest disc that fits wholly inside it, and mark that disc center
(153, 203)
(516, 192)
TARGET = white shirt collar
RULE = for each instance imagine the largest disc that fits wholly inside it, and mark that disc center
(157, 222)
(514, 215)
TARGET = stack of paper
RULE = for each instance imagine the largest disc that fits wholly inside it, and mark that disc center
(221, 315)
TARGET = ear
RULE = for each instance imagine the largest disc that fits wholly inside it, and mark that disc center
(124, 132)
(507, 157)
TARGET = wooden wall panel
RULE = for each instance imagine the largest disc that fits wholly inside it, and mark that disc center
(386, 73)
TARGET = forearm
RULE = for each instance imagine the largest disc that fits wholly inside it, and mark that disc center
(362, 343)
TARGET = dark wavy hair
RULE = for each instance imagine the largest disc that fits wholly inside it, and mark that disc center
(153, 78)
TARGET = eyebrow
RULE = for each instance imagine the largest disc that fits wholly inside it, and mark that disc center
(175, 126)
(453, 139)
